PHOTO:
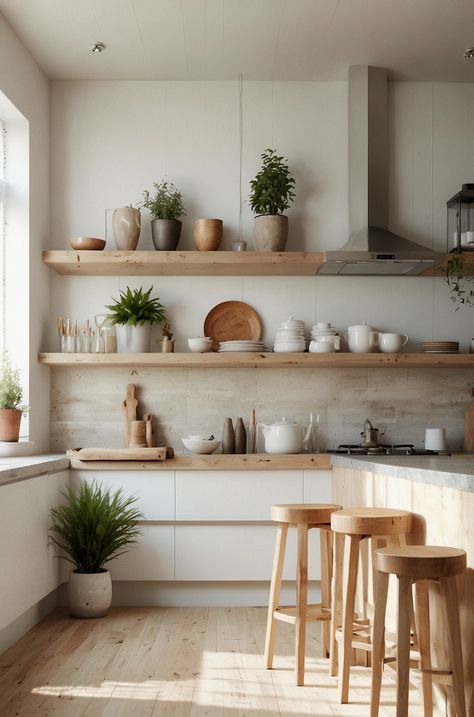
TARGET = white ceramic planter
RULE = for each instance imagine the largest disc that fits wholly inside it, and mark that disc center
(133, 339)
(90, 594)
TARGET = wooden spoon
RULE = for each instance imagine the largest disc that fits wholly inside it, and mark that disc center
(129, 407)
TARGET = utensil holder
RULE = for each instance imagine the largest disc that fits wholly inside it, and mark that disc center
(138, 434)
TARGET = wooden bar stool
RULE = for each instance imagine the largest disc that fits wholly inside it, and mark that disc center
(417, 564)
(356, 524)
(303, 517)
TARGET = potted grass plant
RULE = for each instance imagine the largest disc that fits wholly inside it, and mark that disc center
(92, 527)
(166, 208)
(271, 193)
(11, 395)
(133, 314)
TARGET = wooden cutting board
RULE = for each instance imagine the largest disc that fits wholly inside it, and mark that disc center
(469, 425)
(124, 454)
(232, 321)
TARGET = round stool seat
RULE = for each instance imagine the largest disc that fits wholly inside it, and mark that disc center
(308, 513)
(420, 561)
(371, 521)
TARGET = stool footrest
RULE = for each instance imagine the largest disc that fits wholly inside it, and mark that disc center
(314, 613)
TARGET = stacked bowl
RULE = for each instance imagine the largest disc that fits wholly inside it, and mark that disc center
(290, 337)
(325, 338)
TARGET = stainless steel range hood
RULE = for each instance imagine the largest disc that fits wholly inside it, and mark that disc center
(372, 248)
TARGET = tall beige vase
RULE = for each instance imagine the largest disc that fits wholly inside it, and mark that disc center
(126, 223)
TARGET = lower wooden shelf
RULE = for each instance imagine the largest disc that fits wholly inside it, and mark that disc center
(260, 360)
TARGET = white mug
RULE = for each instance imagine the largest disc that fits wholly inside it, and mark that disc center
(361, 339)
(435, 439)
(330, 339)
(392, 343)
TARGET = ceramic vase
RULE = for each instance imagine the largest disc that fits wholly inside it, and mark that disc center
(90, 594)
(228, 437)
(270, 232)
(126, 224)
(240, 437)
(207, 234)
(133, 339)
(165, 233)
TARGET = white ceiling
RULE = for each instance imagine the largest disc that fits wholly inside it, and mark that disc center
(264, 39)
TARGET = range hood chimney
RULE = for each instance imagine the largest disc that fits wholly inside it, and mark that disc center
(372, 248)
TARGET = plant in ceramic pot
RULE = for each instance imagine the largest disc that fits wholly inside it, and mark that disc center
(11, 395)
(166, 343)
(165, 206)
(126, 225)
(92, 526)
(271, 193)
(133, 314)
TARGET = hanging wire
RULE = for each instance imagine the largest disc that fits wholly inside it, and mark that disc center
(240, 154)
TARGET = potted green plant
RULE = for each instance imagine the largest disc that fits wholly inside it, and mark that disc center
(271, 193)
(92, 527)
(460, 280)
(11, 395)
(166, 207)
(133, 314)
(166, 344)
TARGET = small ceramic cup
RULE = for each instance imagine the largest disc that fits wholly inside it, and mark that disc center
(392, 343)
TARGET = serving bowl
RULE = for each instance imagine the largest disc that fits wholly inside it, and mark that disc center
(200, 445)
(200, 344)
(87, 243)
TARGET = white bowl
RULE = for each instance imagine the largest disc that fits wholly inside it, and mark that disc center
(200, 344)
(200, 445)
(320, 347)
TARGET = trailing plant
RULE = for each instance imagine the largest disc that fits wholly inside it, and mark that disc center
(272, 189)
(166, 203)
(460, 280)
(135, 308)
(11, 392)
(94, 526)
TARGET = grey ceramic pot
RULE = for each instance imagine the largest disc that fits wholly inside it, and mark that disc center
(165, 233)
(271, 232)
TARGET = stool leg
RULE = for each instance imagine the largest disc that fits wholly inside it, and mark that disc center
(336, 604)
(378, 640)
(275, 587)
(450, 597)
(301, 601)
(403, 643)
(424, 642)
(325, 538)
(348, 619)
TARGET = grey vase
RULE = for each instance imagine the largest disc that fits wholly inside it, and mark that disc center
(165, 233)
(240, 437)
(228, 437)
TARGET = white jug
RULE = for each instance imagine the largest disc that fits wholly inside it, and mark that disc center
(362, 338)
(284, 436)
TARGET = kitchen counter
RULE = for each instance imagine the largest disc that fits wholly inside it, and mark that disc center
(445, 471)
(23, 467)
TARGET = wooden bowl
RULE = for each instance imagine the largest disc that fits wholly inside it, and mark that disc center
(87, 244)
(207, 234)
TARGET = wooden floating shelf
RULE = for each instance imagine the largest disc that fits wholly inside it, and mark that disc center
(260, 360)
(183, 263)
(442, 268)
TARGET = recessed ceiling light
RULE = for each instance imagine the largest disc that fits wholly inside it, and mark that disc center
(97, 47)
(469, 53)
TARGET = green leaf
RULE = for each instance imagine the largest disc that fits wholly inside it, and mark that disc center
(271, 190)
(167, 202)
(135, 308)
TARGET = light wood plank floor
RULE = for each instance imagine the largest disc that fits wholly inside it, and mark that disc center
(185, 662)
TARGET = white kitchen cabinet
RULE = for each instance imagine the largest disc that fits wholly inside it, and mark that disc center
(152, 558)
(318, 486)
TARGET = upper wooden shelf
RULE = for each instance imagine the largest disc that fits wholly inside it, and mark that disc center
(442, 268)
(183, 263)
(261, 360)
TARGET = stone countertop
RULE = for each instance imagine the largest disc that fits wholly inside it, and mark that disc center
(455, 471)
(23, 467)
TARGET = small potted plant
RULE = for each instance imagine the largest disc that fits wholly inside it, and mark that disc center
(133, 314)
(271, 193)
(92, 527)
(166, 344)
(11, 394)
(165, 206)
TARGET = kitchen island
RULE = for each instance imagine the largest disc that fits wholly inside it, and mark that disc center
(439, 490)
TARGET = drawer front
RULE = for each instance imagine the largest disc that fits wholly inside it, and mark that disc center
(234, 495)
(152, 558)
(318, 486)
(153, 489)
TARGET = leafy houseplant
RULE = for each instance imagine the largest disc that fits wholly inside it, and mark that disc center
(134, 313)
(460, 280)
(271, 193)
(11, 394)
(166, 207)
(92, 527)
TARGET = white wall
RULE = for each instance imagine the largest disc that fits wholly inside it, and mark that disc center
(27, 88)
(111, 140)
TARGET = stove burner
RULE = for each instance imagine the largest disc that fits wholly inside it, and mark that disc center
(398, 449)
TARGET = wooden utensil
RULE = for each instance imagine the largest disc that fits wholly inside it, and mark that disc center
(469, 425)
(150, 436)
(129, 405)
(232, 321)
(122, 454)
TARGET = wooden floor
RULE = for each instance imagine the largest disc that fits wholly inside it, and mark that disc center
(148, 662)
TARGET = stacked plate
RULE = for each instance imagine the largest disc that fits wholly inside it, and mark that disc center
(243, 346)
(290, 337)
(438, 347)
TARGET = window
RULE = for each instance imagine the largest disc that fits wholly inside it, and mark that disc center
(3, 224)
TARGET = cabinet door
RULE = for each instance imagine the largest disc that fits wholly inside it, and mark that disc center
(153, 489)
(234, 495)
(152, 558)
(318, 486)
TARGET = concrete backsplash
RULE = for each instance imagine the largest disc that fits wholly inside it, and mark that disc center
(86, 403)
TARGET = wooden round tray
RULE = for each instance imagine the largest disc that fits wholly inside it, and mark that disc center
(232, 321)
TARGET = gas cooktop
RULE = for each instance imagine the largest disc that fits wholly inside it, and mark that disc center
(407, 449)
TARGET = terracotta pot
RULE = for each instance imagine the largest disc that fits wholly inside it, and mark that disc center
(165, 233)
(10, 419)
(207, 234)
(90, 594)
(270, 232)
(126, 223)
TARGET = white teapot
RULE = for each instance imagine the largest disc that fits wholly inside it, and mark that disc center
(284, 436)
